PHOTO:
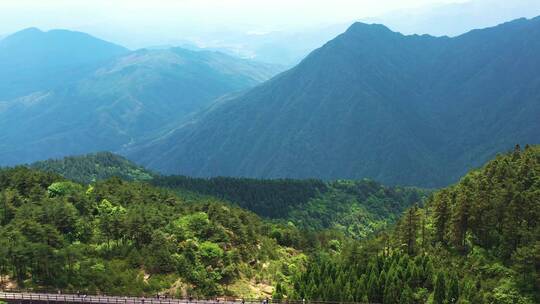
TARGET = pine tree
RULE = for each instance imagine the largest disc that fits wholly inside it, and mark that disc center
(460, 216)
(373, 287)
(440, 289)
(453, 291)
(409, 227)
(441, 213)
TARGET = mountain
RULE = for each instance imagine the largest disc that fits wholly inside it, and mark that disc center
(440, 19)
(130, 97)
(409, 110)
(33, 60)
(94, 167)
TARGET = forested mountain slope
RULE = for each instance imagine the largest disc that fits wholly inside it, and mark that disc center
(355, 208)
(90, 168)
(475, 242)
(409, 110)
(130, 238)
(111, 102)
(32, 60)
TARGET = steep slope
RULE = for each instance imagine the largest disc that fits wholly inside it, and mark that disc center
(440, 20)
(123, 100)
(413, 110)
(32, 60)
(477, 241)
(90, 168)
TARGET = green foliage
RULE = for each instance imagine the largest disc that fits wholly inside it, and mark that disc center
(356, 208)
(268, 198)
(475, 242)
(131, 238)
(90, 168)
(439, 294)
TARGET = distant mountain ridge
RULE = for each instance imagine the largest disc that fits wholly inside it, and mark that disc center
(33, 60)
(81, 94)
(410, 110)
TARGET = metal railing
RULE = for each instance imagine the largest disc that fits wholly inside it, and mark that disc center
(101, 298)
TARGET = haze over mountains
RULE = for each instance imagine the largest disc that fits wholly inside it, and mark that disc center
(414, 110)
(410, 110)
(32, 60)
(64, 92)
(442, 19)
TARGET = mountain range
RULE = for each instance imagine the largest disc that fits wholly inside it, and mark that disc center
(64, 93)
(410, 110)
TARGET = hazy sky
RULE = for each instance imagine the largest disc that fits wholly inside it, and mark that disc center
(188, 16)
(141, 23)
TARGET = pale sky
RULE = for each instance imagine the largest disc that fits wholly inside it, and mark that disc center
(187, 16)
(235, 24)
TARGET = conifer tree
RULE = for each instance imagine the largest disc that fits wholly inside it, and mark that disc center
(409, 228)
(442, 215)
(440, 289)
(453, 291)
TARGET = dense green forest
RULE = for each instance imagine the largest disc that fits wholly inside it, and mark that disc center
(357, 208)
(475, 242)
(93, 167)
(268, 198)
(131, 238)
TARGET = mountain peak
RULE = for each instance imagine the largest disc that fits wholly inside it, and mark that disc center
(27, 33)
(370, 103)
(30, 30)
(367, 28)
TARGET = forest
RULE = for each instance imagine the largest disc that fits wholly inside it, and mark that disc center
(89, 168)
(356, 208)
(131, 238)
(477, 241)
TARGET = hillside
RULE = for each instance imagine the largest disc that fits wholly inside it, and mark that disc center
(355, 208)
(111, 103)
(32, 60)
(475, 242)
(372, 103)
(130, 238)
(86, 169)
